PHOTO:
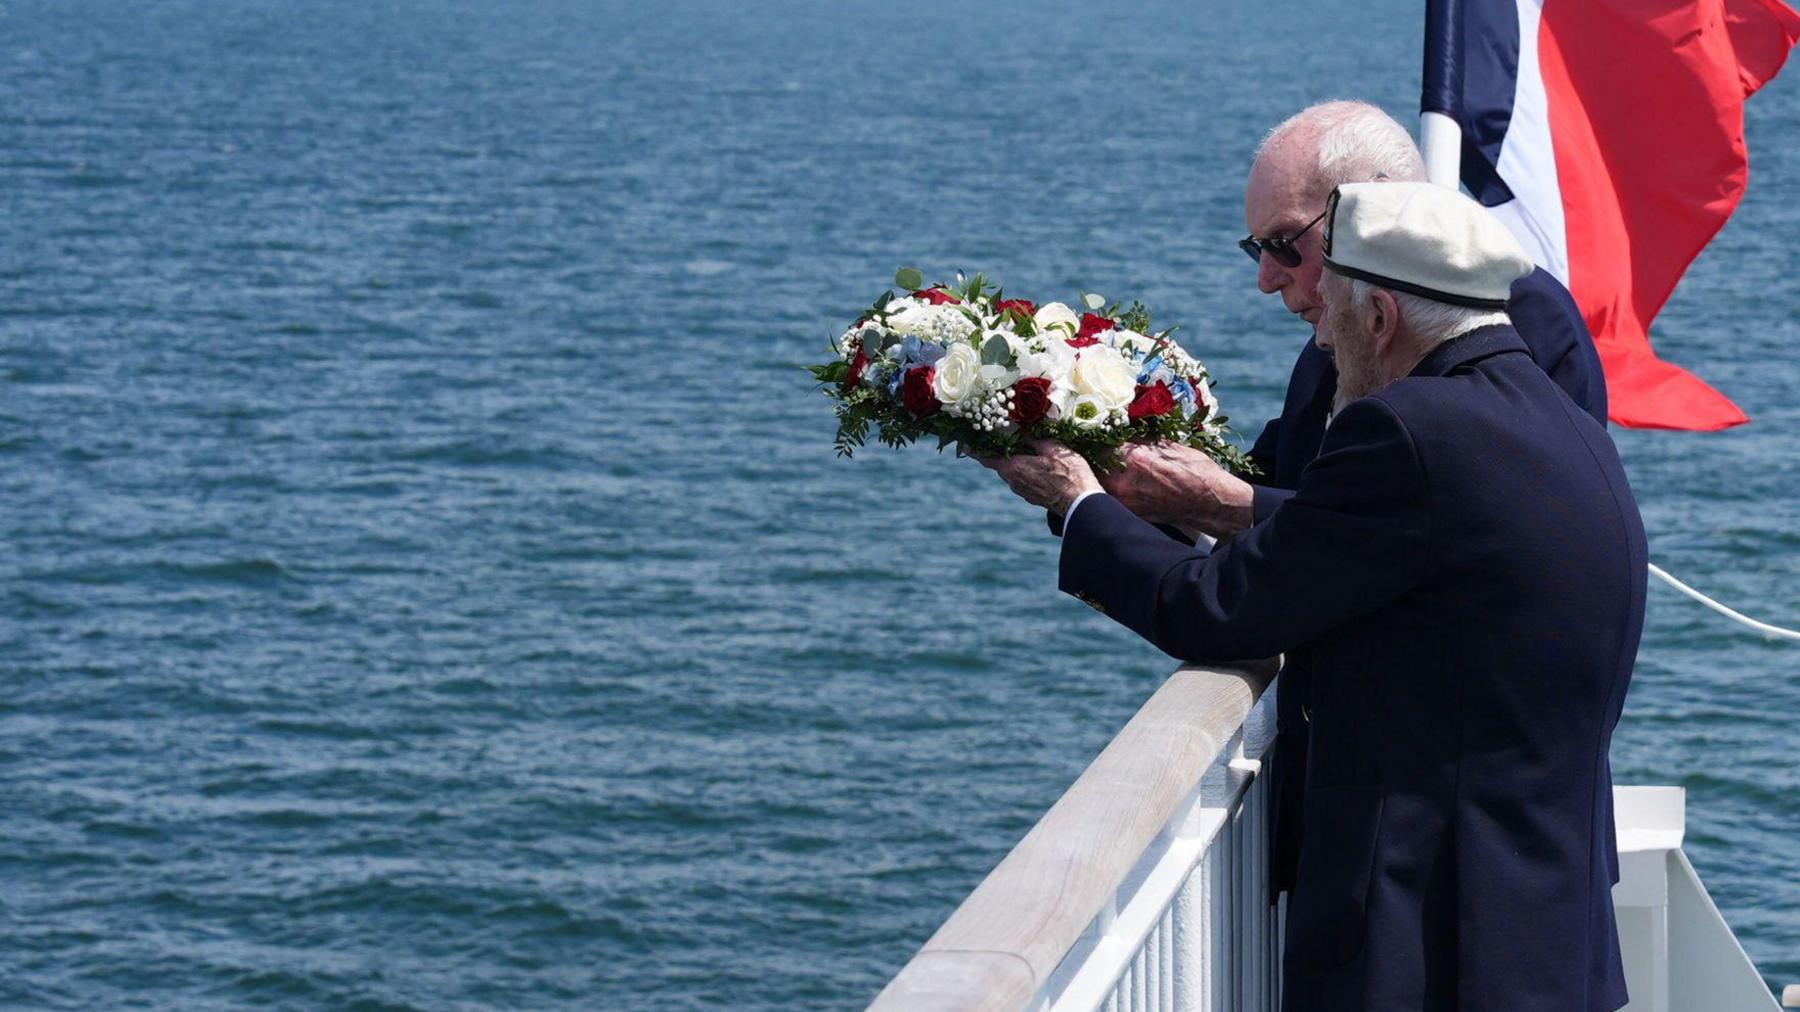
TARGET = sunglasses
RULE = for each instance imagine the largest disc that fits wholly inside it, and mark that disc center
(1281, 249)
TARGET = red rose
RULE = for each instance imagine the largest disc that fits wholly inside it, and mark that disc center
(915, 391)
(1093, 323)
(1151, 400)
(936, 296)
(857, 365)
(1082, 342)
(1021, 306)
(1031, 400)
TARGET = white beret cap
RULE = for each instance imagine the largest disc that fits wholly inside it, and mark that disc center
(1425, 240)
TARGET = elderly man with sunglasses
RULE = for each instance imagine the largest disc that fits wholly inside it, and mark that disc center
(1295, 170)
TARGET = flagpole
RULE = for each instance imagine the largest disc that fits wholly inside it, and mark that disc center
(1440, 141)
(1440, 93)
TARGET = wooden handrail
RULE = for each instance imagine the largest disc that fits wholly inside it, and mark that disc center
(1000, 946)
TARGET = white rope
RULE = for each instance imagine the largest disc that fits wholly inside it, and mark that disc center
(1769, 631)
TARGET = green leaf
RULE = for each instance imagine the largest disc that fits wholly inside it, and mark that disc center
(1092, 301)
(881, 303)
(909, 278)
(996, 351)
(1136, 318)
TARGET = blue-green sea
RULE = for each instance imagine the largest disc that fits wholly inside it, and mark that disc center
(425, 578)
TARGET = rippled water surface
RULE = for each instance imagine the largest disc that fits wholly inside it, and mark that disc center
(426, 579)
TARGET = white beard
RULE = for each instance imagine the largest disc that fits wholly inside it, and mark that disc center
(1356, 379)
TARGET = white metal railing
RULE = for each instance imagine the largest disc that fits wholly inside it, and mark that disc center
(1145, 887)
(1679, 953)
(1191, 927)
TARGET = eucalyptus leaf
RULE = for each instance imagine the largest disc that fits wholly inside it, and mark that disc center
(909, 278)
(1092, 301)
(997, 351)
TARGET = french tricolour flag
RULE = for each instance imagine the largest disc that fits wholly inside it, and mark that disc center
(1609, 135)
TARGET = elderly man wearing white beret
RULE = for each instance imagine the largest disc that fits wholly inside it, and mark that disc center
(1462, 567)
(1295, 169)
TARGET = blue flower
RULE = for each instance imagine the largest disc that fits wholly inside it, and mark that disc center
(916, 352)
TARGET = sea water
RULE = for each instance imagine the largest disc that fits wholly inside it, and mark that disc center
(427, 581)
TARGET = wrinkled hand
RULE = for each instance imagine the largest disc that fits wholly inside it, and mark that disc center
(1167, 483)
(1052, 475)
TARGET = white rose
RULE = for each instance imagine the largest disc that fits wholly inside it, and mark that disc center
(1054, 362)
(1055, 314)
(1133, 340)
(1104, 374)
(957, 374)
(906, 318)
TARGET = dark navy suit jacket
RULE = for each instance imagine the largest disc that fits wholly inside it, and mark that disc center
(1550, 323)
(1463, 569)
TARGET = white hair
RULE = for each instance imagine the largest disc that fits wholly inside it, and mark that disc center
(1354, 142)
(1431, 321)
